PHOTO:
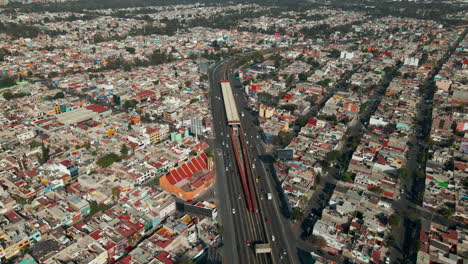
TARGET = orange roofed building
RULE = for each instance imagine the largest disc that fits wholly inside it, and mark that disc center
(191, 178)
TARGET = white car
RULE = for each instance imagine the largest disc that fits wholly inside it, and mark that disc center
(233, 211)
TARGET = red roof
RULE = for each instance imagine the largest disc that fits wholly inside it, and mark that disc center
(187, 169)
(96, 235)
(164, 257)
(145, 94)
(97, 108)
(375, 255)
(13, 217)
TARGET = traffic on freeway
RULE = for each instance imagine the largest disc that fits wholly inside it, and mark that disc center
(254, 229)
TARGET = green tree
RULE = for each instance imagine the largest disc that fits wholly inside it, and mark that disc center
(130, 50)
(403, 173)
(7, 81)
(115, 193)
(324, 82)
(209, 154)
(188, 83)
(317, 241)
(58, 95)
(127, 67)
(203, 78)
(97, 38)
(124, 150)
(332, 155)
(45, 154)
(348, 176)
(289, 107)
(303, 76)
(394, 220)
(376, 189)
(297, 213)
(107, 160)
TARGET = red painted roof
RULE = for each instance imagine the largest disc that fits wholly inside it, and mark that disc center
(97, 108)
(13, 216)
(164, 257)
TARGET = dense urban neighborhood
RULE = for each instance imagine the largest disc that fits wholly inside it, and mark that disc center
(137, 132)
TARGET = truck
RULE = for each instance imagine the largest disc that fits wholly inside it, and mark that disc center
(269, 196)
(262, 248)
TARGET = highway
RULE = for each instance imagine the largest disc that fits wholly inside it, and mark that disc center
(240, 225)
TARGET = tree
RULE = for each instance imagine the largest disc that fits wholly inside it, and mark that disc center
(349, 176)
(115, 193)
(446, 212)
(301, 121)
(303, 76)
(209, 154)
(130, 103)
(289, 107)
(203, 78)
(324, 82)
(156, 181)
(376, 189)
(334, 53)
(403, 173)
(317, 241)
(107, 160)
(95, 207)
(7, 81)
(188, 83)
(45, 154)
(332, 155)
(358, 214)
(390, 128)
(283, 138)
(297, 213)
(394, 220)
(127, 67)
(193, 153)
(420, 174)
(97, 38)
(58, 95)
(130, 50)
(124, 150)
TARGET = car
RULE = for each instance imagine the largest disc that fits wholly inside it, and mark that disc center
(273, 238)
(239, 196)
(233, 211)
(284, 251)
(247, 243)
(267, 220)
(257, 180)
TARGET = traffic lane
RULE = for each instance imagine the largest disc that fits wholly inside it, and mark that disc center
(252, 134)
(245, 218)
(240, 207)
(281, 234)
(269, 213)
(261, 219)
(230, 250)
(221, 140)
(222, 132)
(238, 221)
